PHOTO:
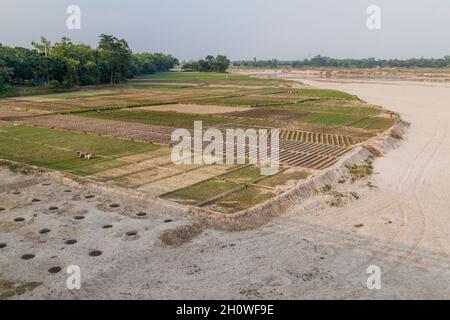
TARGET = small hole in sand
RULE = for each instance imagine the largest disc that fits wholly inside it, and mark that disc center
(114, 205)
(16, 192)
(141, 214)
(19, 219)
(79, 217)
(46, 184)
(95, 253)
(131, 233)
(67, 191)
(70, 242)
(90, 196)
(168, 220)
(2, 245)
(108, 226)
(44, 231)
(36, 200)
(54, 270)
(53, 208)
(2, 209)
(27, 256)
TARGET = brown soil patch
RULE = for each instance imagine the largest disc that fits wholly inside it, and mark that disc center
(180, 235)
(270, 113)
(10, 115)
(112, 128)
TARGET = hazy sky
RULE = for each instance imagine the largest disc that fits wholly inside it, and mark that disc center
(241, 29)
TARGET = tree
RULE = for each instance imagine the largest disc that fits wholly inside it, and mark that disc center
(145, 63)
(209, 64)
(116, 57)
(220, 64)
(44, 48)
(66, 64)
(5, 74)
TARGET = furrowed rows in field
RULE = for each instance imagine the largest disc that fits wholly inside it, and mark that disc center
(309, 155)
(321, 138)
(293, 153)
(112, 128)
(298, 154)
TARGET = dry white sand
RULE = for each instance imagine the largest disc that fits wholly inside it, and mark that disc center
(402, 226)
(192, 108)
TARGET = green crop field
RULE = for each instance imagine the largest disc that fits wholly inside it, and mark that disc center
(324, 94)
(305, 115)
(78, 94)
(159, 118)
(54, 149)
(210, 77)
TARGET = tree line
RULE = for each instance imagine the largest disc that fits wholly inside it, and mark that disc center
(210, 64)
(65, 64)
(319, 61)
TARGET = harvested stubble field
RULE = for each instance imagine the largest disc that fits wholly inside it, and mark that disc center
(128, 127)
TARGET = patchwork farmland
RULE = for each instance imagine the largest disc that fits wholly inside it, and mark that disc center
(128, 128)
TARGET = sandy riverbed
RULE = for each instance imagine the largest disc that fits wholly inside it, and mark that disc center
(400, 224)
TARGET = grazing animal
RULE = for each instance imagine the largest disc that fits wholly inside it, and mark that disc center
(85, 155)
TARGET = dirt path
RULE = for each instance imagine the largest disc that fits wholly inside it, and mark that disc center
(402, 226)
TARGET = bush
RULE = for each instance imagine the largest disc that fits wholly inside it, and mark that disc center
(54, 85)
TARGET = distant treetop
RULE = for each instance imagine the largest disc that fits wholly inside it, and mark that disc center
(210, 64)
(319, 61)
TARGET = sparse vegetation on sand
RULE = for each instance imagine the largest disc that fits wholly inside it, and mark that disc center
(359, 171)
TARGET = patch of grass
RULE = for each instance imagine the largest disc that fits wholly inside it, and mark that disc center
(359, 171)
(201, 192)
(324, 94)
(338, 197)
(92, 168)
(160, 118)
(243, 199)
(77, 94)
(381, 124)
(283, 178)
(329, 119)
(244, 175)
(333, 106)
(54, 149)
(210, 77)
(250, 100)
